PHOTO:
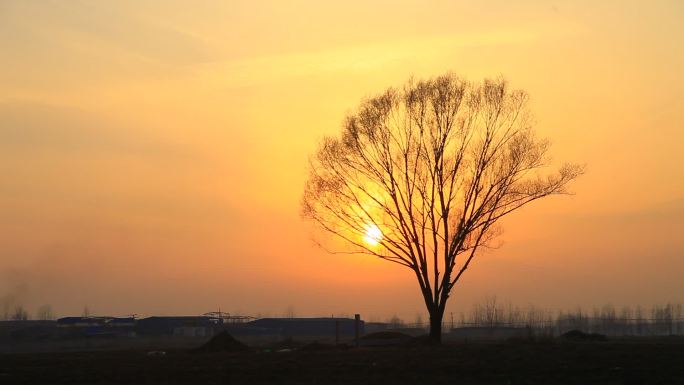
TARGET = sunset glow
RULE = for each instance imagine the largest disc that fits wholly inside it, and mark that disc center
(153, 153)
(373, 235)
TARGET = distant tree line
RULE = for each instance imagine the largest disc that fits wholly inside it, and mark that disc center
(12, 311)
(667, 319)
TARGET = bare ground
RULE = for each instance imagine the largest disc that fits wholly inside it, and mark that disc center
(659, 361)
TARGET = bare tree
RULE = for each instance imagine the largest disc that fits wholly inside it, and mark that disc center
(290, 312)
(5, 308)
(420, 176)
(20, 314)
(396, 322)
(419, 320)
(45, 313)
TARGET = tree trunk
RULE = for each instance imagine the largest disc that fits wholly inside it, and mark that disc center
(436, 326)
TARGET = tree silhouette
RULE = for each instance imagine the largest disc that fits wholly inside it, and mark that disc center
(421, 174)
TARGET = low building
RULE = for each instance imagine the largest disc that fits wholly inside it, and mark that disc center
(28, 330)
(306, 327)
(182, 326)
(98, 326)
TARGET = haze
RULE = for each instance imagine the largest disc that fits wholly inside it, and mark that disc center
(153, 153)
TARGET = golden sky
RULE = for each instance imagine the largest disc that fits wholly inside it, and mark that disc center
(153, 153)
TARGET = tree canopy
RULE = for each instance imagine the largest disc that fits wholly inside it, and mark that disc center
(421, 175)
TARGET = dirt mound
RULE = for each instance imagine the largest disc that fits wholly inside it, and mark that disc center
(385, 336)
(223, 342)
(578, 335)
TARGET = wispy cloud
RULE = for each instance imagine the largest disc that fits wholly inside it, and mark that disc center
(373, 56)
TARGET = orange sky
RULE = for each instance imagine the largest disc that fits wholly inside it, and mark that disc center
(153, 153)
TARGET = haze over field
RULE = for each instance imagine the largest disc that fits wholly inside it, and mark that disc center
(153, 153)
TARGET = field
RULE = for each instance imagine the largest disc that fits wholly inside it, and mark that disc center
(654, 361)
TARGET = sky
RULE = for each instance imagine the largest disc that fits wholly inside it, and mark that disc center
(153, 153)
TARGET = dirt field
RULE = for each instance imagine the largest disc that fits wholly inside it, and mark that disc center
(623, 362)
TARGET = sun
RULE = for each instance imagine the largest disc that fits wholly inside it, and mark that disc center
(373, 235)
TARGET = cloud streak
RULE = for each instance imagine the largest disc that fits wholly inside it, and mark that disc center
(372, 57)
